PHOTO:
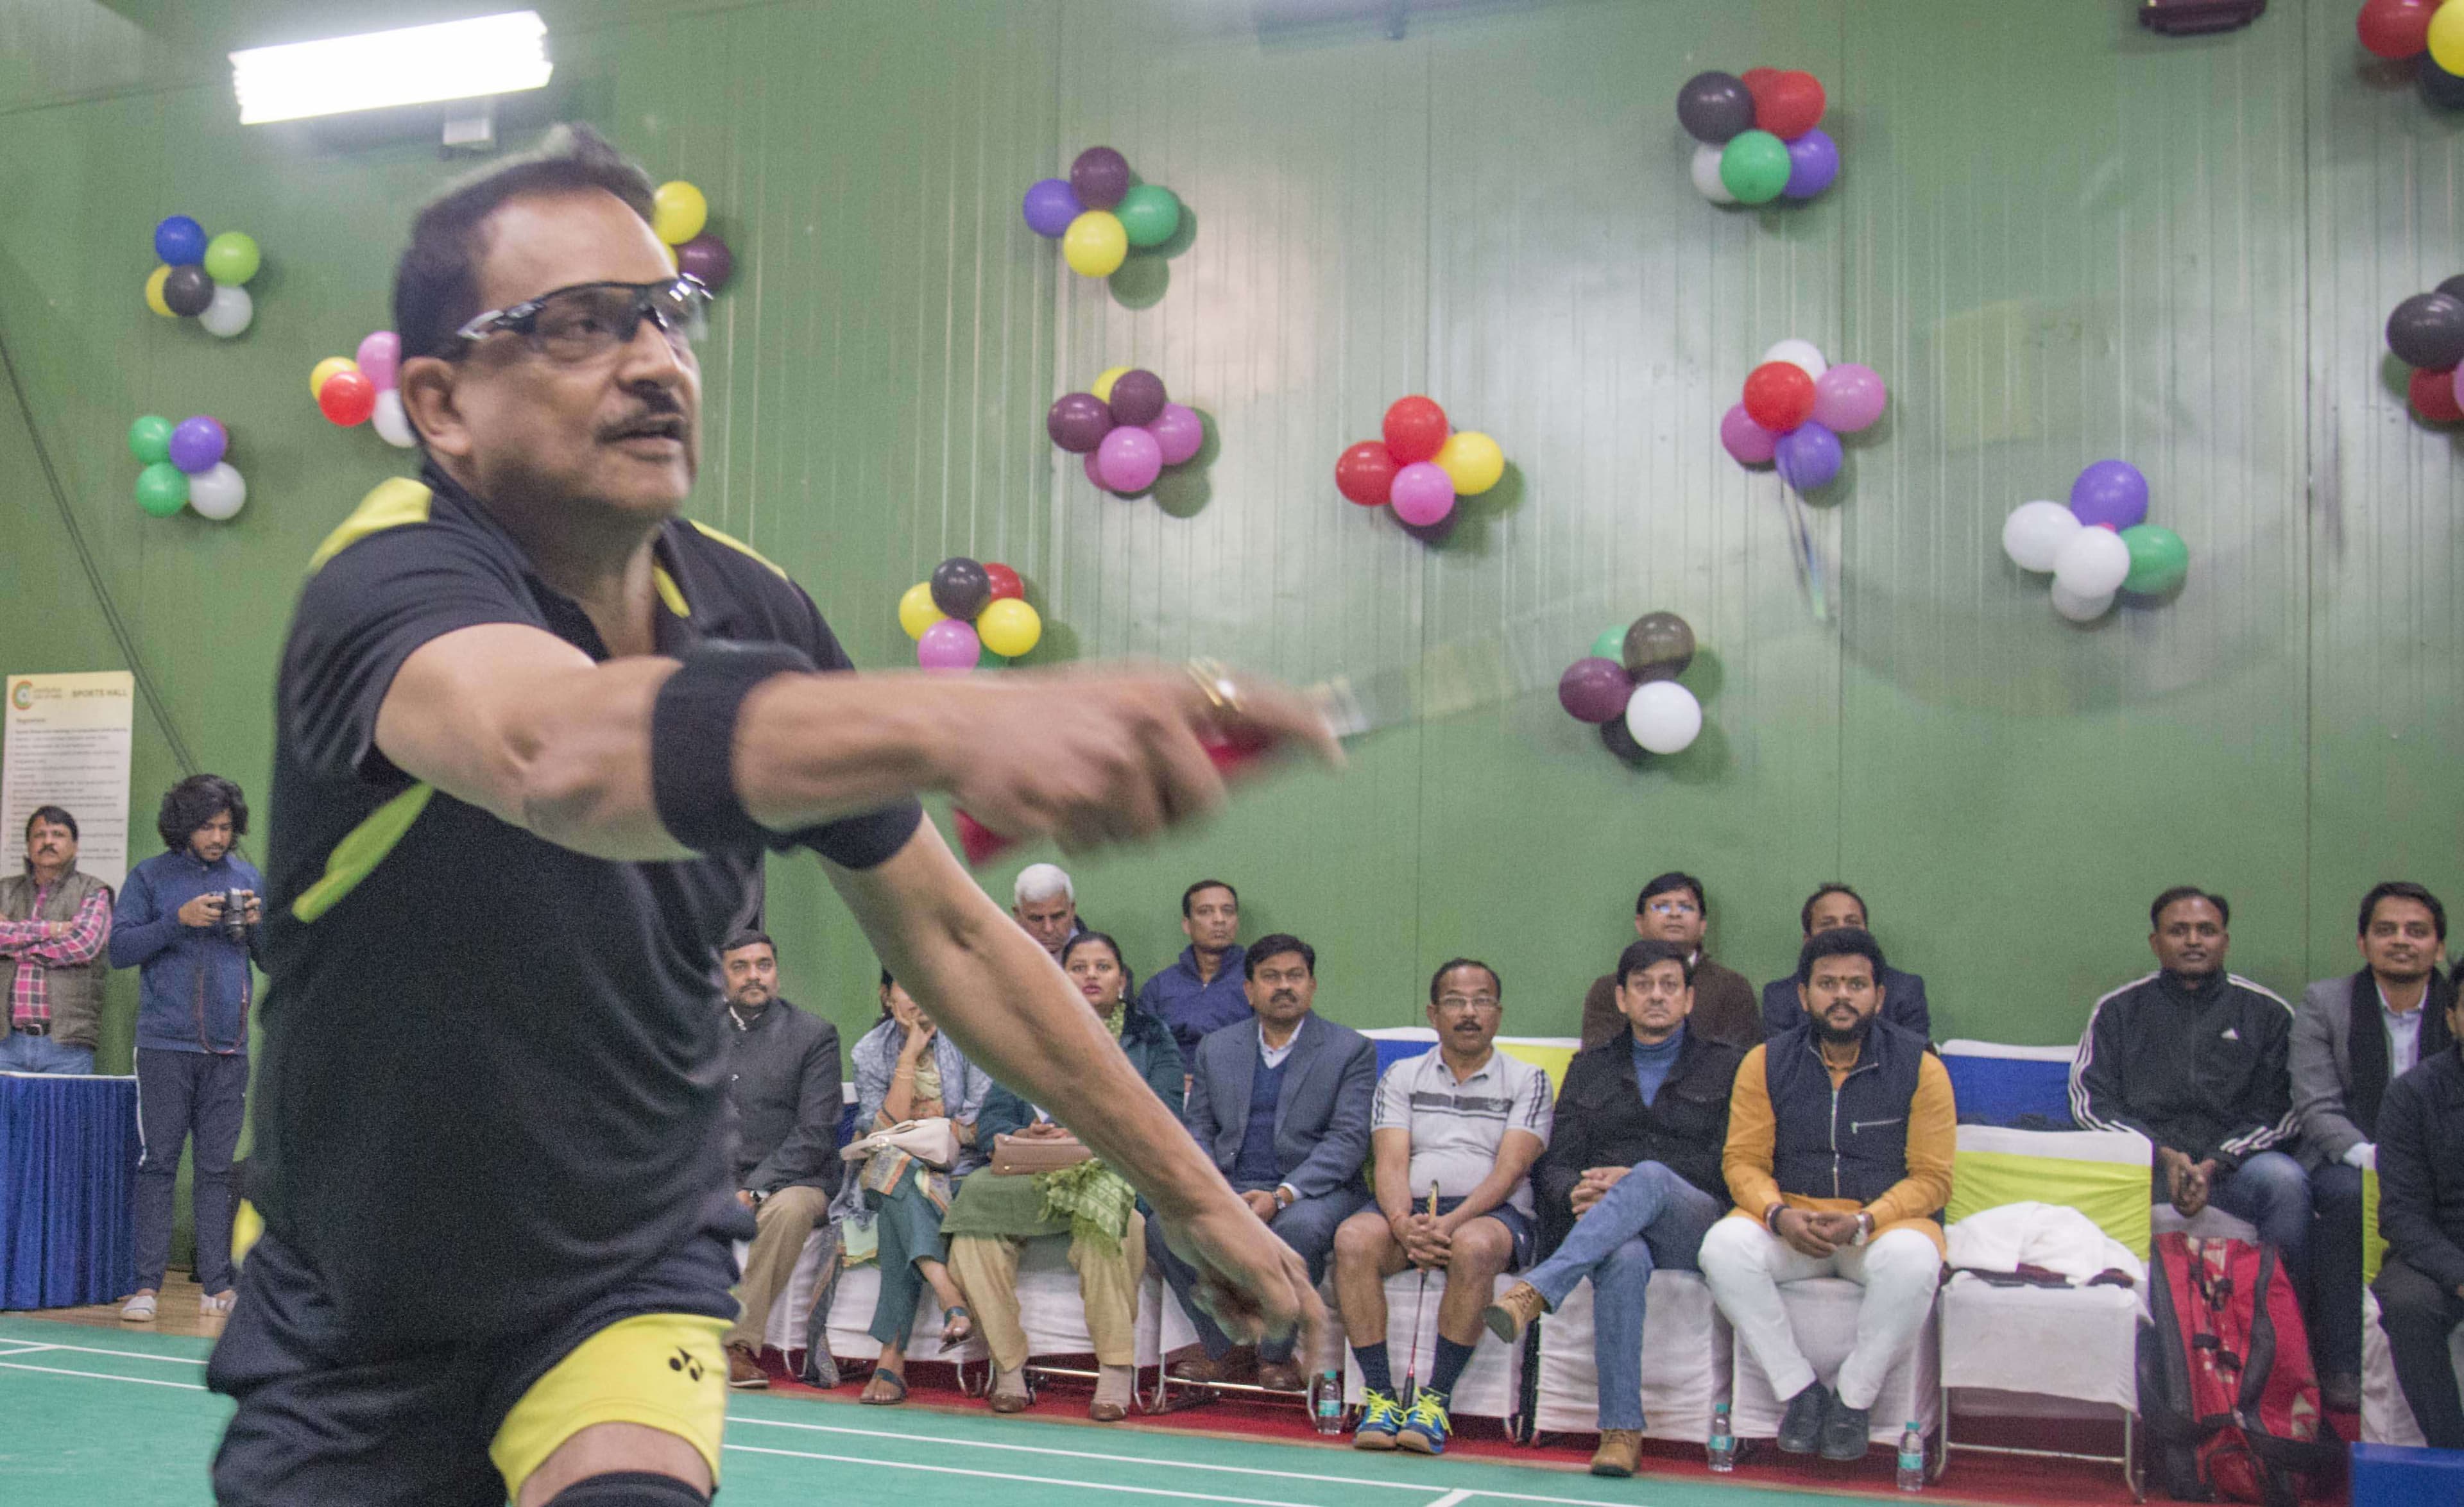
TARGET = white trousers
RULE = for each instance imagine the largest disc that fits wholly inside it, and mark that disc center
(1745, 1263)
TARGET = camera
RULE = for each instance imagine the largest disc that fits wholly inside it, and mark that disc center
(235, 915)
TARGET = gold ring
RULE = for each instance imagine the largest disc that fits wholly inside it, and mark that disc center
(1214, 681)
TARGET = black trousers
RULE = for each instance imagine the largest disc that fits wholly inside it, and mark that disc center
(181, 1095)
(2336, 1269)
(2418, 1315)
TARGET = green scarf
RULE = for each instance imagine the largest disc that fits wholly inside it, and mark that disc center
(1096, 1200)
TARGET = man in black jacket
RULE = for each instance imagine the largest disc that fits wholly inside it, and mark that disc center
(1636, 1176)
(1830, 907)
(783, 1078)
(2421, 1212)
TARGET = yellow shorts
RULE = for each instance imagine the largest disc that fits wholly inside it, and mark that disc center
(664, 1371)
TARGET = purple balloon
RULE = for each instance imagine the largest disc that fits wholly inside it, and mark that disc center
(1129, 460)
(1180, 431)
(1849, 397)
(1137, 397)
(1813, 162)
(2112, 494)
(1808, 457)
(1078, 422)
(1050, 206)
(949, 645)
(380, 356)
(1594, 690)
(1749, 442)
(198, 444)
(1100, 177)
(707, 257)
(1423, 494)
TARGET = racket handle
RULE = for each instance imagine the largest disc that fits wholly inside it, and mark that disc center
(982, 844)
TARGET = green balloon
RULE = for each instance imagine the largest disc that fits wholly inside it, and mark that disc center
(2159, 560)
(232, 258)
(1150, 214)
(989, 660)
(1754, 166)
(162, 489)
(149, 440)
(1610, 644)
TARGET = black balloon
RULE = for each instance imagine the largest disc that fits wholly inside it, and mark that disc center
(2453, 287)
(1100, 177)
(960, 588)
(1715, 106)
(1137, 397)
(1659, 647)
(187, 290)
(2438, 86)
(2427, 330)
(1620, 742)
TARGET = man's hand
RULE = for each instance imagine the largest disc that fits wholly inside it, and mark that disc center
(205, 910)
(1803, 1233)
(1596, 1183)
(2187, 1182)
(1042, 1130)
(256, 911)
(1252, 1284)
(1837, 1227)
(1426, 1239)
(1261, 1203)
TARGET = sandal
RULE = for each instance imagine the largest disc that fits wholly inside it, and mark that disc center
(1009, 1393)
(957, 1327)
(891, 1397)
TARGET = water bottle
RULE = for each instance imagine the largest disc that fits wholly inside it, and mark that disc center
(1723, 1447)
(1325, 1401)
(1912, 1458)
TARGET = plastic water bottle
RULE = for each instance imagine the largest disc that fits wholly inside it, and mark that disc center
(1325, 1401)
(1912, 1458)
(1723, 1447)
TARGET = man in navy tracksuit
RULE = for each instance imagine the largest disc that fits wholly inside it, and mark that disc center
(173, 922)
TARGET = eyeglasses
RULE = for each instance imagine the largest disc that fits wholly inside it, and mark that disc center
(1460, 1004)
(1674, 907)
(589, 319)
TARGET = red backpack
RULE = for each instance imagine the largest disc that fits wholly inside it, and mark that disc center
(2225, 1382)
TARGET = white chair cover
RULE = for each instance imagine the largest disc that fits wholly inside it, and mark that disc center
(1686, 1362)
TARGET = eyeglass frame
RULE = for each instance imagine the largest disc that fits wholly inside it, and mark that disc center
(521, 319)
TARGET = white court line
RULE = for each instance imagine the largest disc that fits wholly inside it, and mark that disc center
(1452, 1498)
(99, 1376)
(125, 1355)
(1006, 1475)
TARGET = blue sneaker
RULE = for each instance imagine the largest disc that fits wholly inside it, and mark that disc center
(1381, 1420)
(1426, 1426)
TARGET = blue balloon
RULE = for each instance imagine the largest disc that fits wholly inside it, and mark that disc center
(2113, 493)
(1808, 457)
(1050, 206)
(1813, 162)
(180, 241)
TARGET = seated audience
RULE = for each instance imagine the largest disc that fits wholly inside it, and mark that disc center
(1046, 903)
(1206, 988)
(1841, 1136)
(2351, 1038)
(2421, 1212)
(1634, 1169)
(55, 927)
(1282, 1105)
(1464, 1121)
(1827, 910)
(906, 1069)
(1672, 908)
(994, 1216)
(783, 1081)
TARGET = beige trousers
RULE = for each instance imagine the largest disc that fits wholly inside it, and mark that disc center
(782, 1223)
(986, 1267)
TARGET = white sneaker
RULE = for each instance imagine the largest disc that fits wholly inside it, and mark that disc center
(138, 1309)
(216, 1305)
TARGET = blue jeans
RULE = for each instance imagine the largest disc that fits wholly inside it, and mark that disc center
(2272, 1193)
(1651, 1219)
(22, 1052)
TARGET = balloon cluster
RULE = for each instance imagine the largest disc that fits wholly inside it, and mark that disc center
(1795, 407)
(680, 216)
(966, 610)
(2420, 30)
(2099, 544)
(356, 389)
(1127, 429)
(1628, 685)
(1421, 466)
(1099, 215)
(2427, 334)
(203, 278)
(1758, 135)
(185, 466)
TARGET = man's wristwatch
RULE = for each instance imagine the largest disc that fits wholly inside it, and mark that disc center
(1284, 1198)
(1865, 1227)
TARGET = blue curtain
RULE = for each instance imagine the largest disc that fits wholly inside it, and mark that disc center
(68, 1174)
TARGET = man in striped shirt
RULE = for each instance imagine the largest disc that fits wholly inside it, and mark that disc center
(54, 923)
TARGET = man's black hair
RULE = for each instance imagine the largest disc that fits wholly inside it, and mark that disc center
(2392, 889)
(1275, 944)
(1838, 942)
(1664, 884)
(1805, 915)
(1453, 963)
(1641, 956)
(193, 802)
(58, 817)
(2181, 893)
(1191, 893)
(748, 938)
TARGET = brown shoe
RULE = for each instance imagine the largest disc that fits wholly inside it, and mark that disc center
(1280, 1376)
(1620, 1451)
(744, 1372)
(1198, 1368)
(1512, 1314)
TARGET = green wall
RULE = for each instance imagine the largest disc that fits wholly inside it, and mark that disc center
(2057, 236)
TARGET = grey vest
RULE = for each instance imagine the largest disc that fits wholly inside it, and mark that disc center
(75, 993)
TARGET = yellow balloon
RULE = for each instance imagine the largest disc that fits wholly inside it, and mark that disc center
(327, 368)
(916, 609)
(1009, 627)
(154, 292)
(1094, 245)
(1102, 387)
(672, 264)
(678, 211)
(1473, 460)
(2447, 38)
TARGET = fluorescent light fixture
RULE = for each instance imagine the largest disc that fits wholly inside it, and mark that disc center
(492, 55)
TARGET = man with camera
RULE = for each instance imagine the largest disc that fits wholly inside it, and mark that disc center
(187, 921)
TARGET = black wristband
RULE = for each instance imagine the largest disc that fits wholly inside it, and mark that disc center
(693, 743)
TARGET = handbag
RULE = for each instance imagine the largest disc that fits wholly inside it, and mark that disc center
(1024, 1156)
(933, 1142)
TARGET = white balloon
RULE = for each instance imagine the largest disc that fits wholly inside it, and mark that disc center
(1663, 716)
(230, 312)
(391, 423)
(1706, 175)
(2079, 608)
(2093, 562)
(2036, 532)
(1798, 353)
(218, 491)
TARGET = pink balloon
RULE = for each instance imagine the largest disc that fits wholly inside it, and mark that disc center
(1423, 494)
(1749, 442)
(380, 356)
(949, 645)
(1848, 397)
(1178, 431)
(1128, 459)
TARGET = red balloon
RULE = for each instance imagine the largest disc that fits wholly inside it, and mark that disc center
(1779, 396)
(2396, 27)
(1416, 427)
(1007, 587)
(1791, 106)
(1365, 473)
(2434, 395)
(1758, 82)
(347, 397)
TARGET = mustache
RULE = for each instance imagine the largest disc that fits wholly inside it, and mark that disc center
(656, 411)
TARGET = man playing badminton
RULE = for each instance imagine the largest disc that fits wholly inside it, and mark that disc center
(533, 734)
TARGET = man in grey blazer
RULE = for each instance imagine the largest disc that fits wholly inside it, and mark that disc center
(1282, 1105)
(2351, 1038)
